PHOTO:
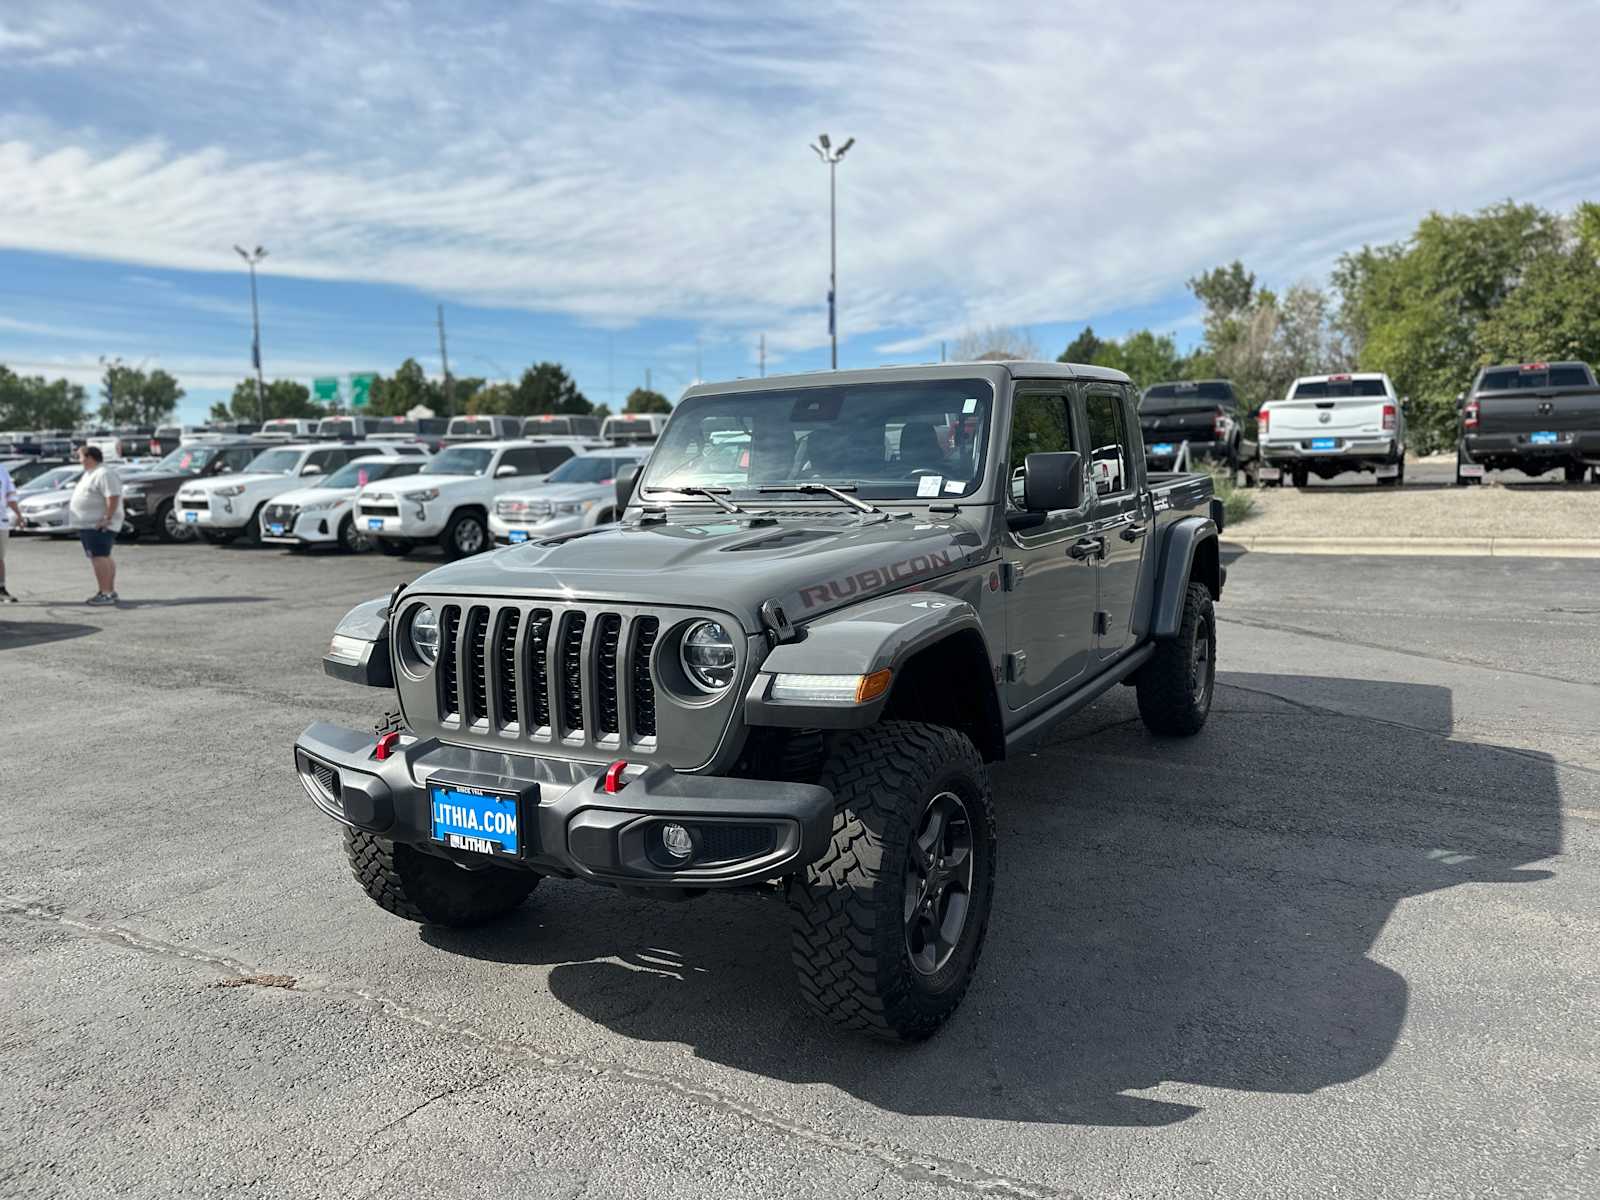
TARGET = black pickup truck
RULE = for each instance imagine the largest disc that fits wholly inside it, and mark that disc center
(1206, 413)
(1533, 417)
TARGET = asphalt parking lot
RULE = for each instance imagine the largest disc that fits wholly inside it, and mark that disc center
(1340, 944)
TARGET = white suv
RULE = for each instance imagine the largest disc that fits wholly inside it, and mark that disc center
(323, 514)
(226, 507)
(579, 494)
(1331, 424)
(449, 500)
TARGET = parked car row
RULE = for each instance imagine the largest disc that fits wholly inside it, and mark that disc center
(1532, 417)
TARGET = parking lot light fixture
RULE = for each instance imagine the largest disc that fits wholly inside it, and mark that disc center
(826, 152)
(251, 258)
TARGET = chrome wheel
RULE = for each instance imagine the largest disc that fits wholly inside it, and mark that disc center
(938, 894)
(352, 539)
(173, 528)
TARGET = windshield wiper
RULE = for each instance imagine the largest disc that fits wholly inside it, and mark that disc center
(839, 491)
(713, 494)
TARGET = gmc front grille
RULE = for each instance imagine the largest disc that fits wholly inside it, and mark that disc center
(563, 674)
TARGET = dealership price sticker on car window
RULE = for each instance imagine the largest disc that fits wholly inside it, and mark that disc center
(928, 485)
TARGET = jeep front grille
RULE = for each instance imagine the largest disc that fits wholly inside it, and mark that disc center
(563, 674)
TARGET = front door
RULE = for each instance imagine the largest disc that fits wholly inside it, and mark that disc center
(1120, 513)
(1050, 596)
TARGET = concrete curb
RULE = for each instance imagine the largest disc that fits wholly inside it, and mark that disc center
(1421, 547)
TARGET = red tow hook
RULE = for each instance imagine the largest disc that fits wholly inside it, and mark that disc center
(386, 744)
(614, 782)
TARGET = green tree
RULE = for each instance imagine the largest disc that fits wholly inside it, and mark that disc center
(284, 397)
(1553, 314)
(644, 400)
(495, 399)
(1082, 349)
(32, 402)
(409, 387)
(130, 397)
(547, 388)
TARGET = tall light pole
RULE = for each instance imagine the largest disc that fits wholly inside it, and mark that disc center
(829, 155)
(251, 259)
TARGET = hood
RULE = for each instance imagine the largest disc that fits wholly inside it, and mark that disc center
(418, 483)
(557, 492)
(306, 495)
(214, 481)
(809, 564)
(150, 478)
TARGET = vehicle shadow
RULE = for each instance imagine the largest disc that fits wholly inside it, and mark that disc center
(14, 635)
(1201, 912)
(188, 601)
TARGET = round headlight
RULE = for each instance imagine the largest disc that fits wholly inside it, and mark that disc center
(424, 634)
(708, 656)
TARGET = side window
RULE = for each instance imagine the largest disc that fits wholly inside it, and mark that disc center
(551, 457)
(1038, 426)
(524, 458)
(1110, 451)
(235, 460)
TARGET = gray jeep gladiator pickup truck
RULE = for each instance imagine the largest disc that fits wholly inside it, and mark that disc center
(831, 599)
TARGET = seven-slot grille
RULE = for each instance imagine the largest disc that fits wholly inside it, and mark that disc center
(549, 674)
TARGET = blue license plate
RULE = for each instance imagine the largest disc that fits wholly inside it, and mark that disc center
(1161, 448)
(191, 516)
(519, 535)
(467, 819)
(374, 522)
(1543, 438)
(1323, 443)
(275, 529)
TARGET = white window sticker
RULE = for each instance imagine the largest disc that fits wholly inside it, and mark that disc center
(928, 485)
(953, 485)
(971, 405)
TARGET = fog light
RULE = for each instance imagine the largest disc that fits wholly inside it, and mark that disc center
(675, 840)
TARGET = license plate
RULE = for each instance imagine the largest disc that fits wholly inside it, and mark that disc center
(468, 819)
(1387, 472)
(519, 535)
(1543, 438)
(275, 529)
(1470, 470)
(191, 516)
(1322, 443)
(1268, 474)
(1161, 448)
(374, 522)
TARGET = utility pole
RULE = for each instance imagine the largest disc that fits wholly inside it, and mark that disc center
(647, 379)
(444, 361)
(697, 373)
(763, 356)
(829, 155)
(251, 258)
(941, 351)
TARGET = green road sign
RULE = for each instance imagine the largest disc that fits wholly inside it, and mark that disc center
(326, 391)
(361, 390)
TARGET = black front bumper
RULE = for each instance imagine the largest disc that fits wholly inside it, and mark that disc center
(743, 830)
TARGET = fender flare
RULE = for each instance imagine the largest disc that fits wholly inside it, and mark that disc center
(878, 634)
(359, 650)
(1189, 551)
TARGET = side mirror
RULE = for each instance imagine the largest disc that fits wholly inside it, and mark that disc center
(1052, 481)
(502, 472)
(311, 469)
(625, 480)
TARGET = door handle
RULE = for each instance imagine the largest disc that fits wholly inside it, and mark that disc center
(1134, 532)
(1086, 547)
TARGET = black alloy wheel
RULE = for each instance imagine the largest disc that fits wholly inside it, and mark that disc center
(938, 883)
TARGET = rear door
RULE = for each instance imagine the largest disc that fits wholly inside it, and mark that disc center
(1119, 515)
(1050, 598)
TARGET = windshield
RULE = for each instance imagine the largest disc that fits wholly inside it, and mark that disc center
(460, 426)
(1338, 389)
(1519, 379)
(589, 468)
(359, 474)
(1170, 397)
(458, 460)
(894, 441)
(273, 462)
(188, 459)
(57, 477)
(337, 428)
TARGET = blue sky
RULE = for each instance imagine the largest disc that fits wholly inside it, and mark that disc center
(628, 186)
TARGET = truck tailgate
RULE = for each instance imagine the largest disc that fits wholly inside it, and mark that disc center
(1533, 412)
(1357, 417)
(1195, 423)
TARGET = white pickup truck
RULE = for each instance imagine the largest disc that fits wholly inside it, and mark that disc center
(225, 508)
(449, 500)
(1331, 424)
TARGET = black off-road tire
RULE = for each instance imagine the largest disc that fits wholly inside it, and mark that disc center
(431, 890)
(1174, 690)
(849, 928)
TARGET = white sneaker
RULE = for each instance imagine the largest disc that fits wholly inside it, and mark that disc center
(101, 599)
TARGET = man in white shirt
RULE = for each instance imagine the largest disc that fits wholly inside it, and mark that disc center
(96, 513)
(8, 505)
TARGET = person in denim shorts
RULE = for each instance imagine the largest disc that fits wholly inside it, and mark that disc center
(96, 513)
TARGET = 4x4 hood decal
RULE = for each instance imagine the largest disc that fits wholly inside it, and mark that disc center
(810, 566)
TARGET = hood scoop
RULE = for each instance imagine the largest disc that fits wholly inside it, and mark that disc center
(782, 537)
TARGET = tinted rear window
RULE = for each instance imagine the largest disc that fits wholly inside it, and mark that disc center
(1168, 397)
(1514, 379)
(1338, 389)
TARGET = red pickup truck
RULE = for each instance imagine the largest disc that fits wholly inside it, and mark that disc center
(1533, 417)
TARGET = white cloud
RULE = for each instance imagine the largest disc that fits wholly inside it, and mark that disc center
(619, 164)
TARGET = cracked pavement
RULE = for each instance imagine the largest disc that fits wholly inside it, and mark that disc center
(1341, 944)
